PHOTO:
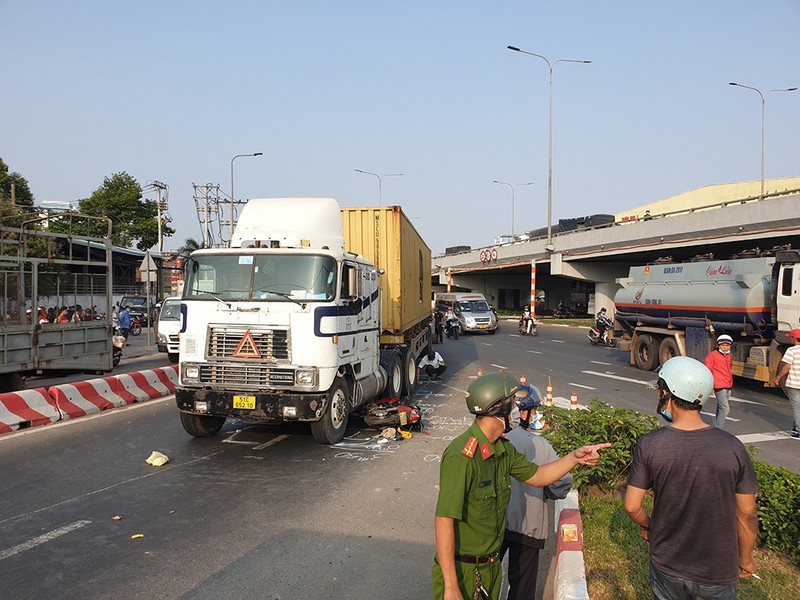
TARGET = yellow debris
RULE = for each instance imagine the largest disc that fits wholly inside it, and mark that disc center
(157, 459)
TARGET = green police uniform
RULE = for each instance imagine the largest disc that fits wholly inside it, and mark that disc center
(474, 490)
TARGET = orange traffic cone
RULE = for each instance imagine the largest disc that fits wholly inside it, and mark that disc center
(549, 398)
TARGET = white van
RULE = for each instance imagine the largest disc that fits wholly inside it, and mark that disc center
(169, 327)
(472, 310)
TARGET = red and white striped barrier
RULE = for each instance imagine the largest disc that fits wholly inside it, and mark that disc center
(570, 577)
(30, 408)
(26, 408)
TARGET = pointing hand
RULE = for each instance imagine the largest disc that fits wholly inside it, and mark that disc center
(589, 455)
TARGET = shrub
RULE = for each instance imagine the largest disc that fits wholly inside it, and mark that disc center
(570, 429)
(778, 508)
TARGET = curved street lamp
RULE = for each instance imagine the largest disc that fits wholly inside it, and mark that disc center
(763, 101)
(380, 182)
(513, 188)
(550, 65)
(232, 196)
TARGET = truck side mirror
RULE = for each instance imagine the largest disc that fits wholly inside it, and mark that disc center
(352, 283)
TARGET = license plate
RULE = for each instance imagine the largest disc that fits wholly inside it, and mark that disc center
(247, 402)
(482, 326)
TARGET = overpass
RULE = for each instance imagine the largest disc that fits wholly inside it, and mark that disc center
(581, 267)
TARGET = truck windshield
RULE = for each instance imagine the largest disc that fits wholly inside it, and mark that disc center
(474, 306)
(274, 277)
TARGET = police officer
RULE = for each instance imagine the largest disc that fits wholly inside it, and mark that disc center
(475, 488)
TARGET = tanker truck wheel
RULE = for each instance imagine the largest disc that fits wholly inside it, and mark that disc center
(331, 427)
(201, 425)
(667, 349)
(393, 366)
(645, 353)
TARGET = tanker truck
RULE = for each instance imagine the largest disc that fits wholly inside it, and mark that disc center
(312, 312)
(666, 310)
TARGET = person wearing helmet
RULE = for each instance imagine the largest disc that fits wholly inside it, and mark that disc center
(790, 368)
(474, 491)
(704, 522)
(719, 363)
(432, 365)
(527, 519)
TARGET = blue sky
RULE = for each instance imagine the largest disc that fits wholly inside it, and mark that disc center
(171, 91)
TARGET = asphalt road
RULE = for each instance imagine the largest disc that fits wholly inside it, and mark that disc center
(259, 512)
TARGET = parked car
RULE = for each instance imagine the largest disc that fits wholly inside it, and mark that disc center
(138, 308)
(169, 326)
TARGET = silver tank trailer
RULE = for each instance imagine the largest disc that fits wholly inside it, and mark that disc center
(735, 291)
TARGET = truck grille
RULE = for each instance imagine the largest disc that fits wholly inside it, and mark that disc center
(253, 375)
(272, 344)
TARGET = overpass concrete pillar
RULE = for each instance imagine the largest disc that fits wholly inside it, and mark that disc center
(604, 293)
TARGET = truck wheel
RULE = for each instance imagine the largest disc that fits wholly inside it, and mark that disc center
(410, 368)
(667, 349)
(331, 427)
(173, 357)
(645, 353)
(394, 370)
(201, 425)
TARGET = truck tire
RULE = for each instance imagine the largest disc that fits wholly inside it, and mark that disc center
(668, 348)
(410, 372)
(201, 425)
(645, 353)
(331, 427)
(394, 371)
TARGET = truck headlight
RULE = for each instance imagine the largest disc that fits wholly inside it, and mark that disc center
(161, 338)
(190, 373)
(306, 377)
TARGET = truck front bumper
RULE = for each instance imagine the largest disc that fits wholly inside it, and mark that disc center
(272, 407)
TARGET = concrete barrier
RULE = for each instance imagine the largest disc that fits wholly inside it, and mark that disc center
(570, 577)
(31, 408)
(26, 408)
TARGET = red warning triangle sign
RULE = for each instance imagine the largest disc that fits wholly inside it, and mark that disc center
(247, 347)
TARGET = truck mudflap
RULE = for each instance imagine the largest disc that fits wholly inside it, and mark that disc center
(252, 407)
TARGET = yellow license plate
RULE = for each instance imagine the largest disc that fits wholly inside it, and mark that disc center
(482, 326)
(248, 402)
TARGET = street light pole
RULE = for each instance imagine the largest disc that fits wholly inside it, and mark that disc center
(380, 182)
(550, 65)
(513, 188)
(232, 196)
(763, 103)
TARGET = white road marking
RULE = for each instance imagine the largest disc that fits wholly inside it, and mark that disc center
(754, 438)
(557, 341)
(585, 387)
(618, 377)
(486, 344)
(43, 539)
(714, 415)
(743, 401)
(597, 362)
(499, 366)
(535, 352)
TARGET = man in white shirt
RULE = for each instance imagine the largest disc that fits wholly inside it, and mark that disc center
(790, 368)
(432, 365)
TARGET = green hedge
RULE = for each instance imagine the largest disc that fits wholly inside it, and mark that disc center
(778, 498)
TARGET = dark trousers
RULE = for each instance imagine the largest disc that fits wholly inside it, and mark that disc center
(434, 373)
(523, 569)
(125, 331)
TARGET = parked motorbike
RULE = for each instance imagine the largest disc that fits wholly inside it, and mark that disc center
(136, 327)
(452, 328)
(528, 326)
(595, 337)
(117, 344)
(563, 313)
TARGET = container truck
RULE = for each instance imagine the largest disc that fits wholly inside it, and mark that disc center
(313, 311)
(666, 310)
(44, 263)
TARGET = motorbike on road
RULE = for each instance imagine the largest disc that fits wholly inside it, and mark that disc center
(136, 327)
(118, 342)
(528, 326)
(595, 337)
(452, 328)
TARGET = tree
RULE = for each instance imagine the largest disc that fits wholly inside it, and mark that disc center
(189, 246)
(23, 197)
(133, 218)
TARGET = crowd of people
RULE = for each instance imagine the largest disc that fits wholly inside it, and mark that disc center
(54, 314)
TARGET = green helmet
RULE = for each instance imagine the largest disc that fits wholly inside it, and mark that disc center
(486, 395)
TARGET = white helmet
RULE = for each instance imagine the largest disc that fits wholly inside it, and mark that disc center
(687, 379)
(724, 338)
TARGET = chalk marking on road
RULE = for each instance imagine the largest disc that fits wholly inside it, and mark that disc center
(754, 438)
(535, 352)
(161, 471)
(42, 539)
(498, 366)
(714, 415)
(586, 387)
(597, 362)
(272, 442)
